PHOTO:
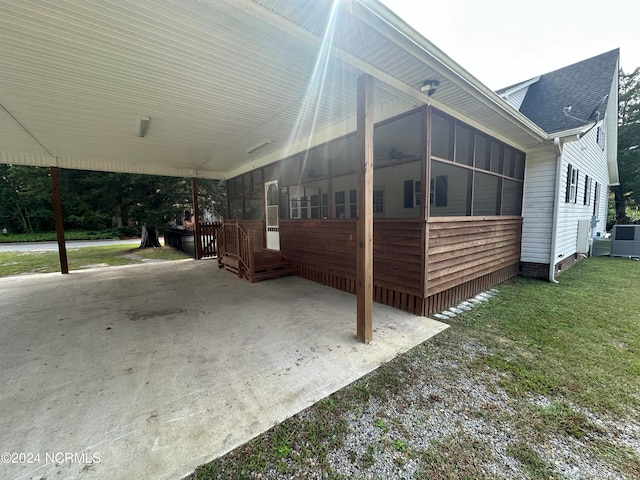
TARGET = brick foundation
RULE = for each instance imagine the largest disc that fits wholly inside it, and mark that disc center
(534, 270)
(541, 270)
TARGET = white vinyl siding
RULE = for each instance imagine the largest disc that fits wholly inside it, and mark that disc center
(516, 98)
(588, 158)
(537, 207)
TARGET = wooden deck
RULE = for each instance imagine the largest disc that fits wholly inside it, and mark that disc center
(240, 254)
(267, 264)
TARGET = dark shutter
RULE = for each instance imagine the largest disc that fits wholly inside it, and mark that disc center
(408, 194)
(441, 190)
(567, 195)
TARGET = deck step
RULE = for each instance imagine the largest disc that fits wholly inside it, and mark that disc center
(267, 265)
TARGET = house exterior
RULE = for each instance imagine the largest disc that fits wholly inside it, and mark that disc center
(566, 188)
(351, 144)
(455, 209)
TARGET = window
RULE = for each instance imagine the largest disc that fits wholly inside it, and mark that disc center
(572, 184)
(340, 204)
(496, 157)
(450, 190)
(601, 136)
(411, 193)
(398, 140)
(596, 200)
(441, 190)
(353, 203)
(482, 156)
(485, 177)
(464, 145)
(325, 205)
(378, 201)
(511, 197)
(587, 190)
(441, 138)
(486, 194)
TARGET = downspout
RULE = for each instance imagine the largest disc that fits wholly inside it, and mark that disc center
(556, 210)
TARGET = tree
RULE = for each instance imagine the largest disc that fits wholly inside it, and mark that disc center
(628, 192)
(25, 198)
(152, 199)
(212, 197)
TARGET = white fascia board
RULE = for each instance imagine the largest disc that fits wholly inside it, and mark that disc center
(517, 88)
(452, 70)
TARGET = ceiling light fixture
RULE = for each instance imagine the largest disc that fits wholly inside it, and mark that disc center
(258, 145)
(429, 87)
(143, 125)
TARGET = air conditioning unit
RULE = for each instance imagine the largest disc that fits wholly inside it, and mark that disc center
(625, 241)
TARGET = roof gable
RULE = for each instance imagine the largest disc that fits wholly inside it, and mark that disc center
(581, 86)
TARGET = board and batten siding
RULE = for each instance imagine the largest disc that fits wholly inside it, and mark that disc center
(537, 206)
(589, 158)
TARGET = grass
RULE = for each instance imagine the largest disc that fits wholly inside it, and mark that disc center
(20, 263)
(565, 358)
(579, 339)
(51, 236)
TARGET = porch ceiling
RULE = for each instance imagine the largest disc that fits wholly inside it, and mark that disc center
(215, 77)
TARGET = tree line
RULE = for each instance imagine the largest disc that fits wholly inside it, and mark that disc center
(100, 200)
(627, 194)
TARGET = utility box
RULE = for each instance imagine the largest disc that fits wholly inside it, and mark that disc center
(601, 247)
(584, 236)
(625, 241)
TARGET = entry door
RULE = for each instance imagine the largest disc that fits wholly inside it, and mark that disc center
(272, 197)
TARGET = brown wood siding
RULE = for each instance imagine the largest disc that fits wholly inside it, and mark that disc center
(329, 246)
(454, 295)
(463, 249)
(256, 230)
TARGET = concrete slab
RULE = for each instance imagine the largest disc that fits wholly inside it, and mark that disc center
(148, 371)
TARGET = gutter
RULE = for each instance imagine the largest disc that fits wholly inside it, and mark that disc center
(556, 209)
(559, 140)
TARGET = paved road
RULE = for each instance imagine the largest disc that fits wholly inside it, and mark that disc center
(53, 246)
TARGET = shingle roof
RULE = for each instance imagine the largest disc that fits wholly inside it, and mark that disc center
(581, 86)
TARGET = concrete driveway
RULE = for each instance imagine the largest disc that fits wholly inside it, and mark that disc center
(147, 371)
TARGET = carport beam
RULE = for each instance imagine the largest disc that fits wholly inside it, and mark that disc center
(57, 214)
(196, 218)
(364, 225)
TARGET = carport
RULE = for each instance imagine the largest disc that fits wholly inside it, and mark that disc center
(137, 382)
(159, 368)
(218, 88)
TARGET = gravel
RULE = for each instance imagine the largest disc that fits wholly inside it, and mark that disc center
(448, 412)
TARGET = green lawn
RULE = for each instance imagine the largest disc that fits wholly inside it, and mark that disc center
(18, 263)
(52, 237)
(540, 380)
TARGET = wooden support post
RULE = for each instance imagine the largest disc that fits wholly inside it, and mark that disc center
(238, 248)
(197, 231)
(57, 214)
(364, 229)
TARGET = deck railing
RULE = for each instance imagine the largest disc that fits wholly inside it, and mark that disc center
(184, 240)
(234, 242)
(208, 239)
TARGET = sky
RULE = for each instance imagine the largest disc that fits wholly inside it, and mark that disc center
(502, 42)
